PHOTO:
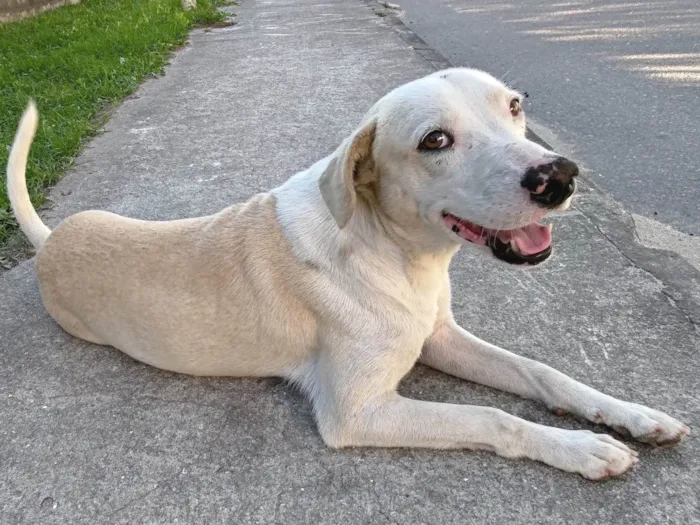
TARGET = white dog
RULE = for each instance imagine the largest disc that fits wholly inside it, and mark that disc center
(338, 279)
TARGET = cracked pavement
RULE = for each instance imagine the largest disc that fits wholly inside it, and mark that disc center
(88, 435)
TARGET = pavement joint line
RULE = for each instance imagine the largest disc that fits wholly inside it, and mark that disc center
(159, 485)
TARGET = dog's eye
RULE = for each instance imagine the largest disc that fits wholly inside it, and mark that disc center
(436, 140)
(516, 107)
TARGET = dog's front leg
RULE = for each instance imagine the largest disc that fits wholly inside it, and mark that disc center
(455, 351)
(356, 404)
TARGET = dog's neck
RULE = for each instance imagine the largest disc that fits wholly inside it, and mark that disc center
(407, 246)
(400, 224)
(411, 239)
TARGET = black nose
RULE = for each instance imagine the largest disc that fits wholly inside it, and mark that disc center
(551, 184)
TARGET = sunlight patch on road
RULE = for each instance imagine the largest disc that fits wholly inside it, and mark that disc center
(681, 68)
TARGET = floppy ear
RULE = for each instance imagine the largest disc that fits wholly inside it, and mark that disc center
(337, 183)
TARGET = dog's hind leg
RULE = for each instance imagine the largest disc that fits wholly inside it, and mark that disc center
(70, 322)
(75, 327)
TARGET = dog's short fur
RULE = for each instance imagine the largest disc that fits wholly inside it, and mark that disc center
(338, 280)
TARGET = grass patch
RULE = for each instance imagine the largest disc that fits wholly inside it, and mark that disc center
(76, 62)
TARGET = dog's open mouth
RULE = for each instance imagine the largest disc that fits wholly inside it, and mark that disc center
(530, 244)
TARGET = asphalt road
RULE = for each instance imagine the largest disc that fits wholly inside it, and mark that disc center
(618, 82)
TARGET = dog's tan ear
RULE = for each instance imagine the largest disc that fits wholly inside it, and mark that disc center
(337, 183)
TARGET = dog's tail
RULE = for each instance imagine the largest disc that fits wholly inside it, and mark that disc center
(27, 217)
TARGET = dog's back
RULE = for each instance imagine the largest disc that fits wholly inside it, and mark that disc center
(205, 296)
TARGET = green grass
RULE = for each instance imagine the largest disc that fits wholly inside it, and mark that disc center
(76, 62)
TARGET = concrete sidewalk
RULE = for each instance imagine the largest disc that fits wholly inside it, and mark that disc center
(88, 435)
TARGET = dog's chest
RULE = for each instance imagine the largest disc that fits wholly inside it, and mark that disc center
(413, 302)
(426, 279)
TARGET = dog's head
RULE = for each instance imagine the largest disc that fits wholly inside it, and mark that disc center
(445, 157)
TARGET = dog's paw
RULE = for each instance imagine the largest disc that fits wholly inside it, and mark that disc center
(643, 424)
(595, 456)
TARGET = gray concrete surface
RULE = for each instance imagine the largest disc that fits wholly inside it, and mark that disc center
(618, 81)
(89, 436)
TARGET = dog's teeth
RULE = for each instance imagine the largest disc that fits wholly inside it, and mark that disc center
(549, 227)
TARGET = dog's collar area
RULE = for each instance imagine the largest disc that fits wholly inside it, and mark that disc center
(530, 244)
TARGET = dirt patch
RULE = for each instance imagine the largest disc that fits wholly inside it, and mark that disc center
(216, 25)
(14, 251)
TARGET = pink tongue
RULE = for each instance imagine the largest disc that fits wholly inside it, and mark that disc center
(532, 239)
